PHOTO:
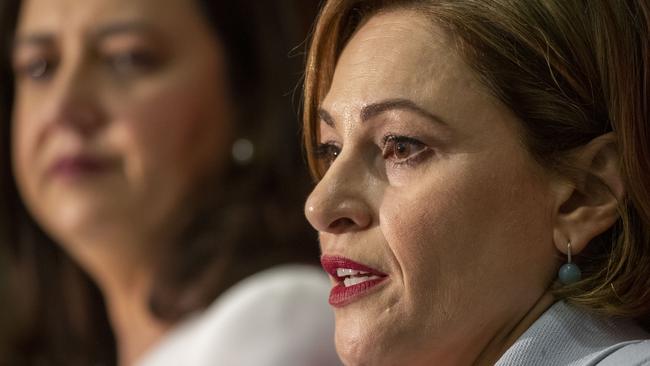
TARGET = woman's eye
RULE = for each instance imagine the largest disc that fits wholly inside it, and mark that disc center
(402, 149)
(326, 153)
(38, 69)
(132, 62)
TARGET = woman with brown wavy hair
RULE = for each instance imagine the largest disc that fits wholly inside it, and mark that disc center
(483, 174)
(147, 170)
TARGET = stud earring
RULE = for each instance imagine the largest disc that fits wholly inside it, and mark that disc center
(243, 151)
(569, 273)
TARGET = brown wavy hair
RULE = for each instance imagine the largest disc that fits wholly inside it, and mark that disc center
(570, 71)
(250, 219)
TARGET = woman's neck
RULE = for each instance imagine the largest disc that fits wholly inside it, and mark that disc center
(509, 335)
(125, 278)
(136, 329)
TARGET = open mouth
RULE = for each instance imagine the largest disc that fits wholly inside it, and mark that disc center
(350, 277)
(353, 279)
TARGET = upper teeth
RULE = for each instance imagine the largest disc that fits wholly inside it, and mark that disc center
(351, 281)
(344, 272)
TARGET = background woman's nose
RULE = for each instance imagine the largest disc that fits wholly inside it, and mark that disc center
(339, 203)
(73, 104)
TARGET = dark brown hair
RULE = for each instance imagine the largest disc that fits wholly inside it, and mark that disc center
(54, 314)
(570, 71)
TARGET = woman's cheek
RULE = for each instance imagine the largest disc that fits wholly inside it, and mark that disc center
(167, 126)
(415, 224)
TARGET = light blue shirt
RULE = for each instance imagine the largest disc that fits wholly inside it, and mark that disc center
(567, 336)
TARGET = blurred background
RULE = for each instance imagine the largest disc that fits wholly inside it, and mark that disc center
(150, 160)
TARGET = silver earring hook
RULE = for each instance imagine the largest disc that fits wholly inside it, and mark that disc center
(569, 251)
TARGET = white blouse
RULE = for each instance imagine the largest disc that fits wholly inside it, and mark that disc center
(278, 317)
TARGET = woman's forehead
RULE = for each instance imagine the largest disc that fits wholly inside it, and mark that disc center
(400, 55)
(56, 15)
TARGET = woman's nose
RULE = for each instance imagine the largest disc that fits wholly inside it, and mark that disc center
(74, 104)
(341, 201)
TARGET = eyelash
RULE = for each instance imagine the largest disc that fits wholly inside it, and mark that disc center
(328, 151)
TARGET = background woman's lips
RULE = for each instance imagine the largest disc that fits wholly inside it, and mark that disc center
(78, 166)
(354, 280)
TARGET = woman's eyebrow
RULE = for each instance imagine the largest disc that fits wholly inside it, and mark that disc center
(326, 117)
(372, 110)
(119, 28)
(32, 39)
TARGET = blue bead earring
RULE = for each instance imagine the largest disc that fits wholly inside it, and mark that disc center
(569, 273)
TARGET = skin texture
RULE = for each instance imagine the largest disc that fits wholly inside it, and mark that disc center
(462, 220)
(141, 86)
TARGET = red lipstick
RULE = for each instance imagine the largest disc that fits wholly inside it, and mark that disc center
(354, 280)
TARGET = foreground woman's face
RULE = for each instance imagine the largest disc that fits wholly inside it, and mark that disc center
(121, 105)
(431, 189)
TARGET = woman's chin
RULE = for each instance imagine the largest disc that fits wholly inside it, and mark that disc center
(354, 353)
(359, 346)
(84, 221)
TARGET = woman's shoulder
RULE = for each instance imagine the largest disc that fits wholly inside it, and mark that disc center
(269, 296)
(635, 353)
(567, 335)
(282, 281)
(275, 317)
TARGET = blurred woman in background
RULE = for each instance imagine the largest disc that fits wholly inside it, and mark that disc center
(148, 166)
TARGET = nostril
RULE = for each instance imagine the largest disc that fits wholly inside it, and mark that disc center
(340, 225)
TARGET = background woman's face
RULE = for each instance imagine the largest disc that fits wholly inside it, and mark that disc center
(445, 200)
(121, 106)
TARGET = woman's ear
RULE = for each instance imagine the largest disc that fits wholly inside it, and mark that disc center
(589, 206)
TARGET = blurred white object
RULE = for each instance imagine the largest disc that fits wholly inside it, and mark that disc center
(278, 317)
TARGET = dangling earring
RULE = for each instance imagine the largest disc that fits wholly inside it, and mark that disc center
(243, 151)
(569, 273)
